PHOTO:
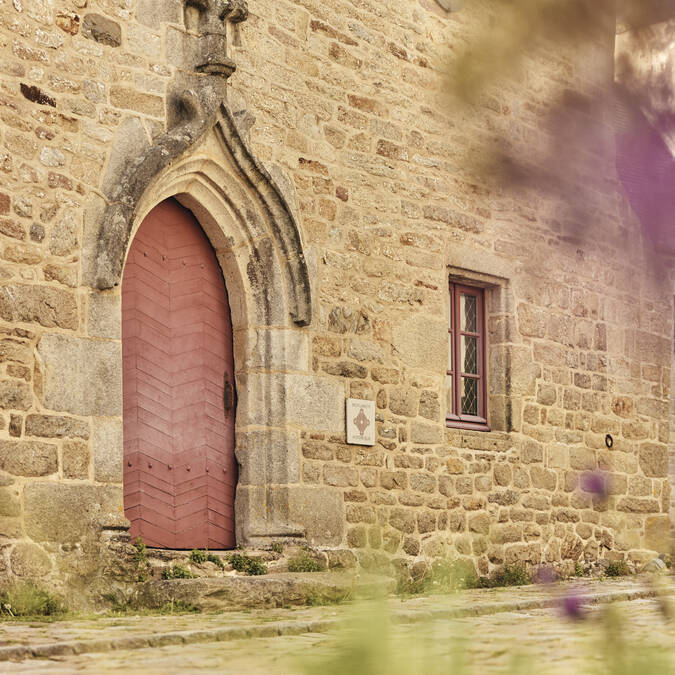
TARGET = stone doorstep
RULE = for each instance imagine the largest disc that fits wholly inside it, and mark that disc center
(266, 591)
(160, 559)
(281, 628)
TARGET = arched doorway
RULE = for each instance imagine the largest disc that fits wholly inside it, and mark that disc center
(180, 472)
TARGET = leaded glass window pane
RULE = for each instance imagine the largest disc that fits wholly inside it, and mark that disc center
(469, 355)
(468, 313)
(469, 396)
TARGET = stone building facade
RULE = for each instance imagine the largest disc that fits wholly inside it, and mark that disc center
(342, 192)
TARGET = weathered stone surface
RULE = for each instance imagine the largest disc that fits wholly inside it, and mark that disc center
(582, 459)
(28, 458)
(657, 533)
(480, 523)
(48, 306)
(322, 513)
(112, 122)
(81, 376)
(426, 433)
(104, 316)
(103, 30)
(305, 400)
(14, 350)
(654, 460)
(10, 504)
(15, 395)
(421, 342)
(131, 140)
(108, 450)
(75, 459)
(403, 402)
(69, 513)
(273, 456)
(53, 426)
(273, 590)
(29, 560)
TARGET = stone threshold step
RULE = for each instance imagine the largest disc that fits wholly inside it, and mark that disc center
(285, 589)
(281, 628)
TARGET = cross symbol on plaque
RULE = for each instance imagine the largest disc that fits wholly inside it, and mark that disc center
(361, 422)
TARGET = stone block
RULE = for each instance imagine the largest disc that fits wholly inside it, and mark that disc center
(338, 475)
(278, 350)
(303, 400)
(82, 376)
(403, 402)
(365, 350)
(54, 426)
(583, 459)
(108, 450)
(28, 458)
(546, 393)
(524, 371)
(75, 460)
(532, 452)
(101, 29)
(402, 520)
(506, 533)
(69, 513)
(480, 523)
(152, 14)
(654, 460)
(46, 305)
(272, 456)
(321, 511)
(502, 474)
(10, 504)
(657, 534)
(527, 553)
(104, 316)
(14, 350)
(639, 505)
(421, 342)
(426, 433)
(29, 560)
(430, 406)
(15, 395)
(532, 321)
(422, 482)
(131, 140)
(543, 478)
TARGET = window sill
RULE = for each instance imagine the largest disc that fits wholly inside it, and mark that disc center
(469, 425)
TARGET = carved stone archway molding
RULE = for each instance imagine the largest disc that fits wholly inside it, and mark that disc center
(209, 168)
(125, 193)
(204, 161)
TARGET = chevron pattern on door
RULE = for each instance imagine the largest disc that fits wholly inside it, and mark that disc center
(180, 472)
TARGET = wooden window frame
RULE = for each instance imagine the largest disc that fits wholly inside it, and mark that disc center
(454, 415)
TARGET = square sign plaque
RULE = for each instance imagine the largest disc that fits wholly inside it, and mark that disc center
(360, 422)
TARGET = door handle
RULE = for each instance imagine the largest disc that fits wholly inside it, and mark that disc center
(228, 396)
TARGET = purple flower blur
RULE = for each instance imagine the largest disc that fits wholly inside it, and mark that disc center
(545, 575)
(595, 482)
(572, 609)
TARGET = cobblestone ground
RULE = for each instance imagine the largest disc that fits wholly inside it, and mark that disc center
(524, 641)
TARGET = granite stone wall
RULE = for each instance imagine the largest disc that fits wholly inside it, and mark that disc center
(345, 104)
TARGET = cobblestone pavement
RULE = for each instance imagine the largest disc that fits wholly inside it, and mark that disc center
(541, 639)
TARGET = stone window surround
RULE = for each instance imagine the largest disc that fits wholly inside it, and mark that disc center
(452, 417)
(503, 410)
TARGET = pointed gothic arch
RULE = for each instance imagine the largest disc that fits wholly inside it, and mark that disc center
(209, 169)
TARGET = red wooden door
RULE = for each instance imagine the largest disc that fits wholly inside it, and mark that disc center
(178, 377)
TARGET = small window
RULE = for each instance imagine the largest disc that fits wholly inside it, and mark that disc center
(465, 377)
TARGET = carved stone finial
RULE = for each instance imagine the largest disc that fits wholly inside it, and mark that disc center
(238, 11)
(206, 21)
